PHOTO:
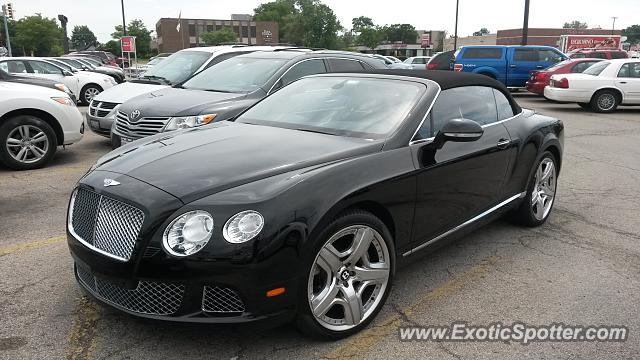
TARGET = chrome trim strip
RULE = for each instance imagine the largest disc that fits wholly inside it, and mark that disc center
(468, 222)
(504, 120)
(411, 142)
(82, 241)
(463, 135)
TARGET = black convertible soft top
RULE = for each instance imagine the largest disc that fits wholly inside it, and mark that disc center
(452, 79)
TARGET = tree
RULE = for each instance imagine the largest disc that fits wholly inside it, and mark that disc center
(632, 33)
(111, 46)
(481, 32)
(38, 36)
(370, 37)
(223, 35)
(302, 22)
(139, 30)
(361, 22)
(576, 25)
(82, 37)
(405, 33)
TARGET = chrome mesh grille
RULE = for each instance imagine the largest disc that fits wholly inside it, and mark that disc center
(101, 108)
(140, 128)
(151, 298)
(105, 224)
(216, 299)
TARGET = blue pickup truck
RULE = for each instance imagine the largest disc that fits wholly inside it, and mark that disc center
(509, 64)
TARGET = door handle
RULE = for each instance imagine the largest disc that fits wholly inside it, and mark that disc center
(503, 143)
(539, 67)
(512, 65)
(622, 82)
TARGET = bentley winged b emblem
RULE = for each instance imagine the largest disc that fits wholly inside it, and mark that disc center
(110, 182)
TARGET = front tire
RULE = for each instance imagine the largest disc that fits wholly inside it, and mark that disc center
(605, 101)
(349, 276)
(26, 142)
(538, 202)
(88, 92)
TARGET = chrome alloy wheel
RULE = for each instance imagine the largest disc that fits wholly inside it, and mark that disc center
(606, 101)
(348, 278)
(27, 144)
(544, 189)
(90, 93)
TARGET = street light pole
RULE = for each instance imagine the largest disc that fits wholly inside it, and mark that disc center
(525, 25)
(6, 30)
(614, 24)
(124, 24)
(455, 35)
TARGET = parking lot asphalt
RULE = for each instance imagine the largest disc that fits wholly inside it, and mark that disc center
(582, 268)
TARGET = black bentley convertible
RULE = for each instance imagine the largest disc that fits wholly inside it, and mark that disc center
(303, 206)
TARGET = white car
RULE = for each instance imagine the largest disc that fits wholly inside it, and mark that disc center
(34, 121)
(172, 70)
(84, 85)
(418, 62)
(602, 87)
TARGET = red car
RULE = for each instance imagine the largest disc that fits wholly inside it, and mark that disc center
(600, 53)
(540, 78)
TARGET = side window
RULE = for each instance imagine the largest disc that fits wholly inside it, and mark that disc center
(580, 67)
(503, 105)
(526, 55)
(16, 67)
(475, 103)
(549, 56)
(345, 65)
(482, 53)
(221, 58)
(424, 132)
(630, 70)
(304, 68)
(40, 67)
(4, 66)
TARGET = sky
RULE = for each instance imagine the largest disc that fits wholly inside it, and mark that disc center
(102, 15)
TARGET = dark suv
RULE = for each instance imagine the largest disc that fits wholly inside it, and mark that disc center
(224, 90)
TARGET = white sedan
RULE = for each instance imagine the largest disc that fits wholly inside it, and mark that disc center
(83, 84)
(602, 87)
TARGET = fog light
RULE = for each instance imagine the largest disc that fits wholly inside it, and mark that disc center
(188, 233)
(243, 226)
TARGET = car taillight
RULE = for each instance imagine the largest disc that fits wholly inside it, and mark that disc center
(457, 67)
(431, 66)
(541, 76)
(562, 83)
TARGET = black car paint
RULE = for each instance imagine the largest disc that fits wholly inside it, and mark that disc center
(299, 194)
(176, 101)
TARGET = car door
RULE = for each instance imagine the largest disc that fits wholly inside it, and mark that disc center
(522, 61)
(628, 80)
(460, 180)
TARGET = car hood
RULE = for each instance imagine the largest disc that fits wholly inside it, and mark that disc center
(194, 163)
(32, 81)
(125, 91)
(180, 102)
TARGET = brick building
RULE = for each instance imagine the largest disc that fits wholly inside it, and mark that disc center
(247, 31)
(548, 37)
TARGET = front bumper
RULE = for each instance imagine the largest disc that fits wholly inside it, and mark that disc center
(74, 132)
(100, 125)
(223, 283)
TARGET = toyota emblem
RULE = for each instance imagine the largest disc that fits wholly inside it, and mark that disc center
(134, 114)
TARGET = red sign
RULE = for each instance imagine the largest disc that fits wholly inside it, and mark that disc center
(575, 42)
(425, 40)
(128, 43)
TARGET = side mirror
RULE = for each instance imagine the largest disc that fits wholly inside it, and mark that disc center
(461, 130)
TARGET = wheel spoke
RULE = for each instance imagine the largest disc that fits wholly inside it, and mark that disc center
(325, 300)
(547, 173)
(22, 154)
(534, 197)
(37, 151)
(328, 260)
(353, 305)
(374, 274)
(39, 137)
(361, 242)
(13, 142)
(24, 131)
(539, 211)
(547, 190)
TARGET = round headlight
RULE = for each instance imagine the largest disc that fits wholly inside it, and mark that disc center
(243, 226)
(188, 233)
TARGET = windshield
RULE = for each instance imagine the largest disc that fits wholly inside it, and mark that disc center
(155, 61)
(559, 65)
(179, 66)
(358, 107)
(596, 68)
(238, 75)
(63, 65)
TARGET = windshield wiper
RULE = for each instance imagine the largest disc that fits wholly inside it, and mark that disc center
(220, 91)
(315, 131)
(155, 77)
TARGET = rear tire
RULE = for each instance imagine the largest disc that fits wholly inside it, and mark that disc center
(326, 285)
(540, 197)
(605, 101)
(26, 143)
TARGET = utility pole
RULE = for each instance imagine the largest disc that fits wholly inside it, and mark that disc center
(455, 34)
(6, 29)
(614, 24)
(124, 24)
(525, 26)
